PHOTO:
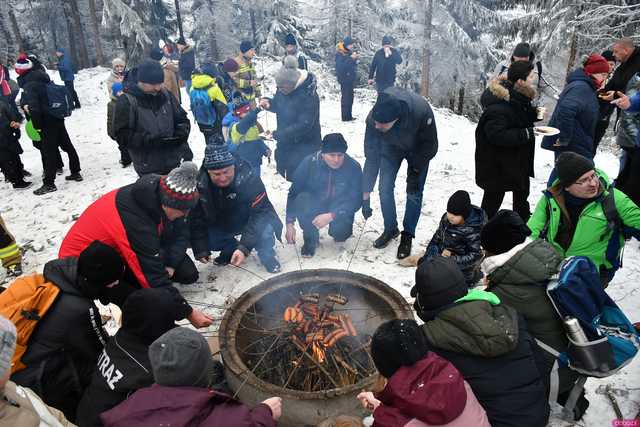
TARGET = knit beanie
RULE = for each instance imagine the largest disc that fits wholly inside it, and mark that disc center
(290, 39)
(150, 72)
(246, 46)
(60, 50)
(596, 64)
(459, 204)
(386, 40)
(149, 313)
(8, 337)
(116, 62)
(181, 358)
(608, 55)
(217, 156)
(439, 282)
(23, 64)
(347, 41)
(100, 265)
(519, 70)
(397, 343)
(387, 108)
(570, 166)
(334, 143)
(288, 76)
(178, 190)
(523, 50)
(115, 88)
(504, 231)
(230, 65)
(156, 54)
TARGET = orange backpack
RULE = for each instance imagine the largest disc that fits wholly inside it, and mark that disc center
(24, 303)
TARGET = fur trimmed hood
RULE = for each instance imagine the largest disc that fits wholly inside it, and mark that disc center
(500, 88)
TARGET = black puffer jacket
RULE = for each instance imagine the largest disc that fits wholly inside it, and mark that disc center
(505, 144)
(241, 208)
(9, 137)
(34, 95)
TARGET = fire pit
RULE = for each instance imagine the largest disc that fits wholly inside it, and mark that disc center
(304, 336)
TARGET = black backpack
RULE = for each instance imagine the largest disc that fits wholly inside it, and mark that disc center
(59, 101)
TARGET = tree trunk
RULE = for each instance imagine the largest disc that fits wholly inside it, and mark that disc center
(83, 54)
(179, 18)
(461, 99)
(336, 19)
(254, 27)
(96, 32)
(426, 51)
(71, 49)
(7, 40)
(573, 51)
(16, 30)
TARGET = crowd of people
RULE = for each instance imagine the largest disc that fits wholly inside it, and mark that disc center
(479, 288)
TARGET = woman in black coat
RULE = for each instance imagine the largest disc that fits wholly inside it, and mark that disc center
(505, 140)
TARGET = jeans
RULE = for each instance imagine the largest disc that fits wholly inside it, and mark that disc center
(308, 207)
(225, 241)
(346, 100)
(72, 93)
(388, 171)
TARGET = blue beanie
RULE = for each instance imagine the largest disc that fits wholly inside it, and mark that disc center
(246, 46)
(60, 49)
(115, 88)
(209, 69)
(386, 40)
(150, 72)
(217, 156)
(156, 54)
(290, 39)
(386, 109)
(347, 41)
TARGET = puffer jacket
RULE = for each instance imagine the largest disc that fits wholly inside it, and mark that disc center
(242, 78)
(346, 66)
(65, 68)
(218, 100)
(34, 95)
(489, 344)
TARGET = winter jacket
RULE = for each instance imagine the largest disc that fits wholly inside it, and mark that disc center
(413, 137)
(34, 95)
(241, 208)
(505, 143)
(113, 78)
(187, 62)
(21, 407)
(519, 277)
(346, 66)
(576, 115)
(225, 83)
(591, 236)
(246, 141)
(385, 68)
(338, 190)
(218, 100)
(627, 135)
(111, 109)
(463, 241)
(431, 392)
(131, 220)
(185, 407)
(9, 137)
(65, 68)
(171, 79)
(63, 349)
(298, 122)
(154, 128)
(624, 72)
(10, 253)
(488, 343)
(242, 78)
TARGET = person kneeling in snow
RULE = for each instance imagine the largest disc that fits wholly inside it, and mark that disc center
(182, 365)
(245, 136)
(233, 201)
(325, 191)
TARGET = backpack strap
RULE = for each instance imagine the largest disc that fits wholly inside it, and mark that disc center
(545, 230)
(614, 223)
(133, 108)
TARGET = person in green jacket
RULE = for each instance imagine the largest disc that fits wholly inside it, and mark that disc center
(571, 215)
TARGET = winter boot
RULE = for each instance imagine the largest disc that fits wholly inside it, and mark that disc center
(125, 163)
(25, 173)
(22, 184)
(270, 263)
(385, 238)
(223, 259)
(404, 249)
(59, 171)
(74, 177)
(45, 189)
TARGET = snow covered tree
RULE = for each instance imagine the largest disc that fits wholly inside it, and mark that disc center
(122, 20)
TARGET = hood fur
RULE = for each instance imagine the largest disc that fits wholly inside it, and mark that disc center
(499, 90)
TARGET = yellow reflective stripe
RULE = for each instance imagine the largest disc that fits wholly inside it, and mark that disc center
(10, 250)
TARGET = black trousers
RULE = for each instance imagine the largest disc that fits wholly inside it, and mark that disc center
(492, 200)
(186, 272)
(11, 166)
(55, 135)
(346, 100)
(72, 93)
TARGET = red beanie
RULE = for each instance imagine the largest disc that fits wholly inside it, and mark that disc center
(596, 64)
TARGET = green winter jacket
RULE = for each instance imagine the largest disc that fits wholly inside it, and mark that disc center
(591, 238)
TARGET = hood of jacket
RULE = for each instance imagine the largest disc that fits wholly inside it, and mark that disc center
(342, 49)
(35, 75)
(64, 273)
(201, 81)
(432, 391)
(500, 89)
(534, 261)
(475, 326)
(145, 193)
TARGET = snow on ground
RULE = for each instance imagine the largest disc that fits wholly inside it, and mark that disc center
(40, 223)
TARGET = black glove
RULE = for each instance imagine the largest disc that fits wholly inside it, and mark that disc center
(413, 179)
(366, 208)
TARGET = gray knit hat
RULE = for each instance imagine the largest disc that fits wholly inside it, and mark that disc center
(181, 358)
(178, 190)
(8, 336)
(217, 156)
(288, 76)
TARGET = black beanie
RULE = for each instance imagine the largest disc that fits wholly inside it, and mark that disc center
(100, 264)
(386, 109)
(608, 55)
(504, 231)
(519, 70)
(334, 143)
(156, 54)
(523, 50)
(459, 204)
(150, 72)
(570, 166)
(439, 282)
(246, 46)
(149, 313)
(397, 343)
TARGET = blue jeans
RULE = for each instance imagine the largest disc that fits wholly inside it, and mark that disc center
(225, 241)
(308, 207)
(386, 185)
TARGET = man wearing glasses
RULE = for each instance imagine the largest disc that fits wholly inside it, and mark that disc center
(581, 214)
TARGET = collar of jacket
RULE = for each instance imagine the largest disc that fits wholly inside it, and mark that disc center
(501, 88)
(492, 263)
(342, 49)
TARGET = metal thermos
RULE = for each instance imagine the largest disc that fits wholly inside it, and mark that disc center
(575, 331)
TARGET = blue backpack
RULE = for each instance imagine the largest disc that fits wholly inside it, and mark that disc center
(202, 107)
(59, 101)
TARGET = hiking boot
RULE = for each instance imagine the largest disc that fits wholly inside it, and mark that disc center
(74, 177)
(59, 171)
(385, 238)
(45, 189)
(22, 184)
(125, 163)
(404, 249)
(270, 263)
(223, 259)
(25, 173)
(14, 270)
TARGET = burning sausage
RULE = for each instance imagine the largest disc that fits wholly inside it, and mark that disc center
(287, 314)
(341, 334)
(310, 298)
(331, 335)
(350, 328)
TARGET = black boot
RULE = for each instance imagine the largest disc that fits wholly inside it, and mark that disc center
(385, 238)
(45, 189)
(74, 177)
(22, 184)
(404, 249)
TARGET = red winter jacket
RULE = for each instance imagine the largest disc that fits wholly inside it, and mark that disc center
(430, 393)
(185, 407)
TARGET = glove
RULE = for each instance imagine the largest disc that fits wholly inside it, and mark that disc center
(366, 209)
(413, 178)
(171, 140)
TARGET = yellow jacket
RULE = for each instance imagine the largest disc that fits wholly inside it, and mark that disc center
(201, 81)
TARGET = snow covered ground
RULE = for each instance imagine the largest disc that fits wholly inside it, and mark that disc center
(40, 223)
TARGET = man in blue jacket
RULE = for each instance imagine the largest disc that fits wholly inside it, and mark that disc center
(65, 68)
(325, 191)
(187, 62)
(384, 64)
(346, 68)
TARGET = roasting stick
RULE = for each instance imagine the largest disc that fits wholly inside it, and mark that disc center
(315, 362)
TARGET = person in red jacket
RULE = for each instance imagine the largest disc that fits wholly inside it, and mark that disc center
(142, 222)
